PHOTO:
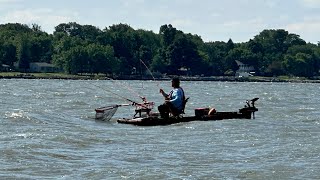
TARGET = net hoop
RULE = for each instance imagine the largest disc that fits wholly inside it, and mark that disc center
(106, 113)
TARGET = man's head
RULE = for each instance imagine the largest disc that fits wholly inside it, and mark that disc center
(175, 82)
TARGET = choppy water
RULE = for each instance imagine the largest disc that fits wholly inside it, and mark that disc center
(48, 131)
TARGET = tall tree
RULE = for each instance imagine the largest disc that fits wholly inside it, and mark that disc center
(102, 60)
(299, 65)
(8, 53)
(23, 53)
(168, 33)
(217, 52)
(125, 42)
(178, 51)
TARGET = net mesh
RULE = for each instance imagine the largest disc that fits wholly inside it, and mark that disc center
(106, 113)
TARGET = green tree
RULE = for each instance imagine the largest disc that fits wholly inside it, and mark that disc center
(159, 64)
(168, 33)
(84, 32)
(62, 44)
(10, 31)
(178, 51)
(125, 42)
(271, 46)
(76, 60)
(41, 48)
(102, 60)
(8, 53)
(149, 46)
(230, 45)
(23, 53)
(299, 65)
(184, 54)
(216, 52)
(302, 60)
(119, 48)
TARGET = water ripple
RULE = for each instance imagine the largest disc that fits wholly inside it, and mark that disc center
(49, 132)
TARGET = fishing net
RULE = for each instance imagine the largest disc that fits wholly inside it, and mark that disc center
(106, 113)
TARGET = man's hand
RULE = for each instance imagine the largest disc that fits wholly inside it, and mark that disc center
(161, 91)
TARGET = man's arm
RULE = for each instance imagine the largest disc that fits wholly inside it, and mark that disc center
(165, 95)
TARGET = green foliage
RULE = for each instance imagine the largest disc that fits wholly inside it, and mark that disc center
(84, 32)
(179, 51)
(8, 53)
(125, 42)
(216, 52)
(297, 65)
(119, 49)
(302, 60)
(23, 53)
(101, 59)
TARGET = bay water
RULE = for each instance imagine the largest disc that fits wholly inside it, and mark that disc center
(48, 131)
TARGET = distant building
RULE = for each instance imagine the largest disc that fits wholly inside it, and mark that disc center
(184, 71)
(244, 70)
(5, 68)
(43, 67)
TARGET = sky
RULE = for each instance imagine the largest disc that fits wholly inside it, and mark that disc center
(213, 20)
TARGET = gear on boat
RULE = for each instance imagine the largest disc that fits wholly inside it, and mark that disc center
(201, 114)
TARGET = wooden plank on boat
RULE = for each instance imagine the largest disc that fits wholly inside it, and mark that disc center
(156, 120)
(201, 114)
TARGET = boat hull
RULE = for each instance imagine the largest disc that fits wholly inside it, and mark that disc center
(158, 121)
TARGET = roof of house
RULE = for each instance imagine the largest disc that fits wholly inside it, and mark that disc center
(42, 64)
(239, 63)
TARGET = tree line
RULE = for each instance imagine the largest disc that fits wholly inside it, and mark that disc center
(121, 50)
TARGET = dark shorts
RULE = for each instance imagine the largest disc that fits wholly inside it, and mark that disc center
(167, 108)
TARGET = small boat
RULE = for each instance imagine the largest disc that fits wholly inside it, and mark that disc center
(201, 114)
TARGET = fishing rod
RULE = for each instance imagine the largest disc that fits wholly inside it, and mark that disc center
(144, 105)
(107, 112)
(122, 97)
(148, 69)
(154, 79)
(128, 88)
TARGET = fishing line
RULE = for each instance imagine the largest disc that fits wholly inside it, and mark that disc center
(154, 79)
(122, 97)
(148, 69)
(127, 87)
(119, 96)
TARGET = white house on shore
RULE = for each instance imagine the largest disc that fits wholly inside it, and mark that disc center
(43, 67)
(5, 68)
(244, 70)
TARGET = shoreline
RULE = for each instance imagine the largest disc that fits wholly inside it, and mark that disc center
(182, 78)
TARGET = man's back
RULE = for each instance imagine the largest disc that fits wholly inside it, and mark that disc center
(177, 97)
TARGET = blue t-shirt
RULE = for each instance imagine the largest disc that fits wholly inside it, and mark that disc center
(176, 98)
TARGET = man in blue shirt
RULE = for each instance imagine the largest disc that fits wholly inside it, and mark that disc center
(174, 101)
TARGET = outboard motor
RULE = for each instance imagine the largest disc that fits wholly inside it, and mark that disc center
(249, 108)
